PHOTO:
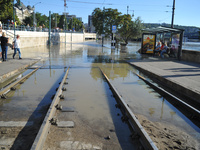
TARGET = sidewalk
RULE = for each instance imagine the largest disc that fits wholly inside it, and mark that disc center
(13, 66)
(183, 77)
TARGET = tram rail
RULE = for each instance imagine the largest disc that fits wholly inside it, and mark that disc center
(135, 124)
(139, 131)
(5, 90)
(42, 134)
(192, 113)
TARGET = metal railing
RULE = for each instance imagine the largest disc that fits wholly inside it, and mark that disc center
(35, 29)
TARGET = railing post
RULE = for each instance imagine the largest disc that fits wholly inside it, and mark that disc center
(49, 27)
(14, 16)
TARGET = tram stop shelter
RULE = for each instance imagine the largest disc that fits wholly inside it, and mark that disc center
(172, 37)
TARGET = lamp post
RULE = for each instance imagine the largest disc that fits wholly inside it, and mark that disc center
(34, 24)
(14, 16)
(173, 8)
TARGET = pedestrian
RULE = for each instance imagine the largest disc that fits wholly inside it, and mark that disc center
(8, 24)
(0, 26)
(0, 46)
(4, 46)
(16, 46)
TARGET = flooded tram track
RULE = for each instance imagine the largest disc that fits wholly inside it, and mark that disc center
(189, 111)
(56, 112)
(12, 85)
(23, 104)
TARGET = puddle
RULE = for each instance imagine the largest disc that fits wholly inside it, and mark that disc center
(88, 93)
(35, 93)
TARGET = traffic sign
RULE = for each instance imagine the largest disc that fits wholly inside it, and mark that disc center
(114, 28)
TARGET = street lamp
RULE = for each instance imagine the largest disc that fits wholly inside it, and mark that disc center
(34, 24)
(173, 8)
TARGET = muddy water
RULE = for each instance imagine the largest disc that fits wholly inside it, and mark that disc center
(29, 98)
(90, 96)
(141, 98)
(95, 116)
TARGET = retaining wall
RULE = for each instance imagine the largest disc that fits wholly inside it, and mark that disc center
(190, 55)
(32, 39)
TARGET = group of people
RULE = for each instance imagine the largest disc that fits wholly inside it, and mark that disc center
(161, 49)
(4, 46)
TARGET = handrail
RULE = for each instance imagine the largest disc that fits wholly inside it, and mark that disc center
(35, 29)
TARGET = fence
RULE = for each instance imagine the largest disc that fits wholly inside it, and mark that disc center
(36, 29)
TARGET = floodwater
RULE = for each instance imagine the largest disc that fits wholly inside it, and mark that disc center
(89, 94)
(191, 46)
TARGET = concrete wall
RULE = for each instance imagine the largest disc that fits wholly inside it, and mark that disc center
(32, 39)
(192, 56)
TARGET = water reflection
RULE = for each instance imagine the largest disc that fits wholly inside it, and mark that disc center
(137, 94)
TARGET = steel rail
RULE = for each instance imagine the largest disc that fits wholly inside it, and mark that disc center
(177, 101)
(135, 124)
(42, 134)
(8, 88)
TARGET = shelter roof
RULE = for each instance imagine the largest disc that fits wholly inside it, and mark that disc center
(161, 29)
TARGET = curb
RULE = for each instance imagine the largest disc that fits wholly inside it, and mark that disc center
(181, 90)
(9, 75)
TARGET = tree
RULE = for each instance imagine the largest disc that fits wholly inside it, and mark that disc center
(41, 19)
(104, 19)
(130, 29)
(6, 11)
(127, 29)
(76, 24)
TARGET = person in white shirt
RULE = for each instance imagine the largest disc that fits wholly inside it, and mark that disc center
(16, 46)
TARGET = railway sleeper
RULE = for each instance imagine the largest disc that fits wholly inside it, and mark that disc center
(53, 121)
(135, 136)
(62, 96)
(124, 118)
(64, 89)
(58, 107)
(3, 96)
(13, 88)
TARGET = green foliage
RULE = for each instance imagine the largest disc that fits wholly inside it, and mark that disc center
(130, 29)
(41, 19)
(28, 20)
(62, 22)
(104, 19)
(75, 23)
(6, 11)
(127, 29)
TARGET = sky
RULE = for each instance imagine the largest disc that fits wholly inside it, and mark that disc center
(150, 11)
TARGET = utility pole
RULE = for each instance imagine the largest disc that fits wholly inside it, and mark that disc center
(127, 9)
(103, 26)
(173, 8)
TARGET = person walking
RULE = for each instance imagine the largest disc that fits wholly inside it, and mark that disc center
(4, 46)
(0, 46)
(16, 46)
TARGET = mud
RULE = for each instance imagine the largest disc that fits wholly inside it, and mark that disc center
(167, 136)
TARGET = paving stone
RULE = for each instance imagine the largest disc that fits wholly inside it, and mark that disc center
(75, 145)
(86, 146)
(66, 144)
(6, 141)
(67, 109)
(65, 124)
(15, 123)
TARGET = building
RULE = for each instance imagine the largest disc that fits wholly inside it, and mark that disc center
(22, 11)
(91, 28)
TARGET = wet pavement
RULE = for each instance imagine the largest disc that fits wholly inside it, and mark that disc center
(89, 95)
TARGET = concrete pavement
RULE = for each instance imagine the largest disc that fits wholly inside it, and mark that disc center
(12, 67)
(182, 77)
